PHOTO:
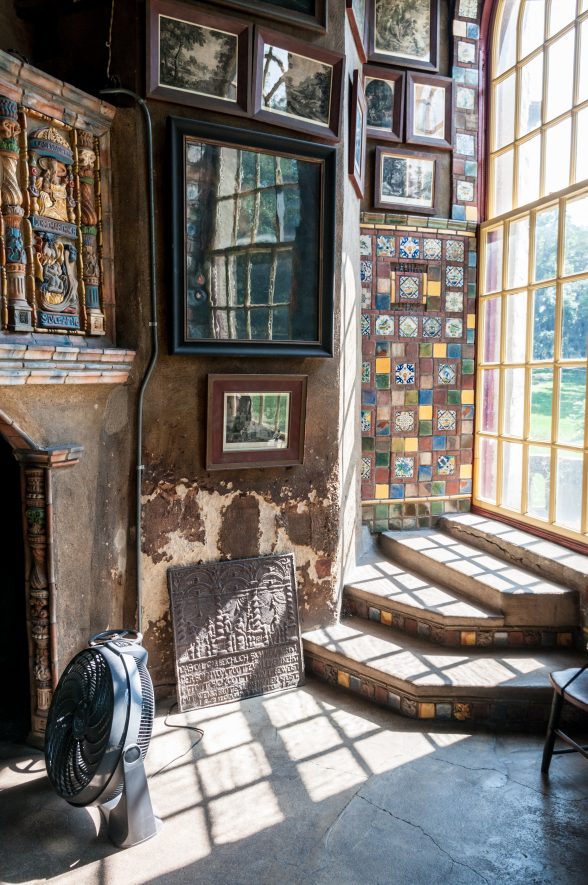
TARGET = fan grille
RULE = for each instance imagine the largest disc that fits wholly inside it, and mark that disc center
(79, 723)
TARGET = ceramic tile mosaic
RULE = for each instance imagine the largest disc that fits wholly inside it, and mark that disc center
(468, 8)
(454, 276)
(365, 245)
(366, 298)
(366, 421)
(366, 271)
(446, 374)
(466, 53)
(408, 288)
(455, 250)
(465, 191)
(366, 325)
(366, 372)
(432, 249)
(404, 467)
(454, 302)
(453, 328)
(384, 325)
(404, 421)
(410, 247)
(446, 419)
(385, 247)
(446, 465)
(408, 327)
(431, 327)
(404, 373)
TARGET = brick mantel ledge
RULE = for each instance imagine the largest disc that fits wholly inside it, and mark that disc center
(61, 361)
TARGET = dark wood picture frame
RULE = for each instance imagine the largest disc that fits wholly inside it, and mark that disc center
(405, 59)
(219, 386)
(316, 21)
(357, 121)
(396, 131)
(446, 83)
(319, 294)
(330, 130)
(408, 206)
(185, 13)
(360, 33)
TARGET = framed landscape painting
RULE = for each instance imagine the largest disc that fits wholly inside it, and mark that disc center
(198, 59)
(407, 181)
(357, 13)
(384, 95)
(255, 421)
(252, 242)
(303, 13)
(357, 135)
(430, 110)
(297, 85)
(405, 33)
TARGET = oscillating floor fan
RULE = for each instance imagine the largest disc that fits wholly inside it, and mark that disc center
(98, 733)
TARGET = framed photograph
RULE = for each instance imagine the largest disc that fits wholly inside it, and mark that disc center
(406, 181)
(255, 421)
(404, 33)
(198, 58)
(357, 135)
(252, 242)
(357, 14)
(302, 13)
(297, 85)
(384, 95)
(430, 110)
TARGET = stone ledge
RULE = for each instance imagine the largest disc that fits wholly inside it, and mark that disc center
(38, 362)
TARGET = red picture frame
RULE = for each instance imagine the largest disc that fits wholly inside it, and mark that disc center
(359, 30)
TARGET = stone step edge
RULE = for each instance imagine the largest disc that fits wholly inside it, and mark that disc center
(464, 635)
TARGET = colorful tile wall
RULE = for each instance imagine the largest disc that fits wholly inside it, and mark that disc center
(417, 370)
(465, 73)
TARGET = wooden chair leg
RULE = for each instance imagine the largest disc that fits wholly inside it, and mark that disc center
(554, 718)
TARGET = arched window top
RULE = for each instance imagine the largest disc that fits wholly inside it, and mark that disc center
(539, 98)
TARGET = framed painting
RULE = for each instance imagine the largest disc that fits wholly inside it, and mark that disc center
(297, 85)
(404, 33)
(430, 110)
(198, 58)
(357, 135)
(252, 242)
(358, 22)
(302, 13)
(255, 421)
(384, 95)
(406, 181)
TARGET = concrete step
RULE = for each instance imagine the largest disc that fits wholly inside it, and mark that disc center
(422, 681)
(522, 597)
(523, 550)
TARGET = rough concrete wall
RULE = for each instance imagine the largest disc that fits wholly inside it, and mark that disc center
(15, 34)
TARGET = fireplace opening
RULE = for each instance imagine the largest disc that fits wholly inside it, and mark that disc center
(15, 698)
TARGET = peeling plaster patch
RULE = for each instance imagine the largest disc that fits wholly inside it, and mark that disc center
(116, 413)
(158, 641)
(240, 531)
(174, 509)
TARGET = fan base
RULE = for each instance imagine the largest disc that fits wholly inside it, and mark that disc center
(129, 817)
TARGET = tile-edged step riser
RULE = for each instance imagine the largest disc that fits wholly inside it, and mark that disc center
(454, 634)
(518, 609)
(549, 560)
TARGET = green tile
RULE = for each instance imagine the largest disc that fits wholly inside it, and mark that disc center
(367, 444)
(437, 487)
(382, 459)
(453, 397)
(381, 511)
(425, 350)
(425, 428)
(396, 509)
(467, 367)
(424, 522)
(437, 508)
(411, 397)
(382, 382)
(381, 525)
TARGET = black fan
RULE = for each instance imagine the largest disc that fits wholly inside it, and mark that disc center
(98, 733)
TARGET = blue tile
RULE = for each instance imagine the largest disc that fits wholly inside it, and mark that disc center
(397, 490)
(426, 397)
(382, 301)
(354, 683)
(368, 397)
(454, 351)
(471, 336)
(471, 77)
(443, 711)
(425, 472)
(439, 443)
(458, 74)
(471, 169)
(465, 487)
(374, 613)
(458, 213)
(473, 32)
(472, 259)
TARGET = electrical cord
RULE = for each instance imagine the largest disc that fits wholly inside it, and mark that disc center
(168, 724)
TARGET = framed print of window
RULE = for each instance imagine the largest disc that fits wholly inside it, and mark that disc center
(430, 110)
(404, 33)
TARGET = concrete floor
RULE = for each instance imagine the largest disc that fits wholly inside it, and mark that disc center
(314, 786)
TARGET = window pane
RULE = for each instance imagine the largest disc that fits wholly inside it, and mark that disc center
(504, 103)
(518, 253)
(529, 172)
(561, 14)
(516, 328)
(507, 40)
(491, 326)
(533, 26)
(560, 83)
(572, 403)
(575, 321)
(576, 237)
(583, 72)
(581, 141)
(557, 162)
(489, 405)
(514, 402)
(539, 482)
(568, 492)
(531, 95)
(503, 171)
(541, 404)
(512, 475)
(487, 469)
(493, 282)
(546, 236)
(543, 323)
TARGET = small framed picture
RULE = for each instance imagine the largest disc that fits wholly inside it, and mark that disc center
(404, 33)
(255, 421)
(198, 58)
(384, 95)
(430, 110)
(297, 85)
(301, 13)
(406, 180)
(357, 135)
(358, 22)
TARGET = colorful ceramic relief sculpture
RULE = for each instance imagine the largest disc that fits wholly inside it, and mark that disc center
(90, 225)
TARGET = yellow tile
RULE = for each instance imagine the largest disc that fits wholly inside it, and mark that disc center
(386, 618)
(426, 711)
(397, 444)
(565, 639)
(381, 491)
(465, 471)
(467, 638)
(382, 365)
(471, 213)
(411, 444)
(440, 350)
(425, 413)
(434, 288)
(467, 397)
(343, 678)
(471, 320)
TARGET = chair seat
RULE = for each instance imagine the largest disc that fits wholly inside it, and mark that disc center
(577, 692)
